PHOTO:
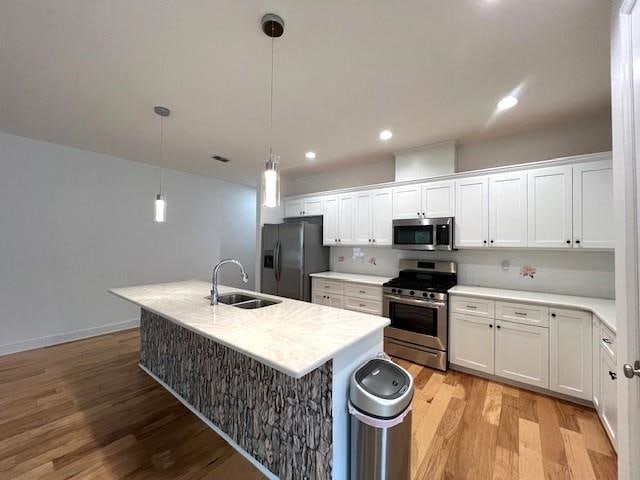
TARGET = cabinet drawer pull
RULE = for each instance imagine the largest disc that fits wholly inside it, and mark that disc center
(607, 341)
(362, 291)
(613, 375)
(521, 313)
(472, 307)
(327, 286)
(362, 304)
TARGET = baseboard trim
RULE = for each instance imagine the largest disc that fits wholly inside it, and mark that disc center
(524, 386)
(32, 343)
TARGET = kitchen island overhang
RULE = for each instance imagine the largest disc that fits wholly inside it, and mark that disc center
(281, 401)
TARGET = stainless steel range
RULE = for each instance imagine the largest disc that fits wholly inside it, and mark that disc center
(416, 302)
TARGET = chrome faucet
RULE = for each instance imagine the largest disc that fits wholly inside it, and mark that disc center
(214, 290)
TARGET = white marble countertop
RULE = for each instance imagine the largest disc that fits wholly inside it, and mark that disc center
(604, 309)
(352, 277)
(294, 337)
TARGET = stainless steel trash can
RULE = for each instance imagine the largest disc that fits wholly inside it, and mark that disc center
(380, 406)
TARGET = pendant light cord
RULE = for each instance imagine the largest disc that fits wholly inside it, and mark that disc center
(161, 150)
(271, 94)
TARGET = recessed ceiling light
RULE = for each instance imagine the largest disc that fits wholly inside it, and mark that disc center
(506, 103)
(310, 155)
(385, 135)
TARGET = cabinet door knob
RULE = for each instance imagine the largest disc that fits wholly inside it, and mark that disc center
(374, 240)
(498, 327)
(577, 241)
(424, 214)
(484, 241)
(490, 326)
(491, 241)
(418, 213)
(568, 241)
(553, 315)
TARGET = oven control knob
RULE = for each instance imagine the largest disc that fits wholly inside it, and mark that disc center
(399, 291)
(432, 295)
(412, 292)
(425, 294)
(393, 290)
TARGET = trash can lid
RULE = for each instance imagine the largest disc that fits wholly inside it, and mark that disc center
(381, 388)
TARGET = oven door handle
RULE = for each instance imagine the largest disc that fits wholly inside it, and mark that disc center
(415, 301)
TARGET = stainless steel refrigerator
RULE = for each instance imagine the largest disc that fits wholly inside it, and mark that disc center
(290, 252)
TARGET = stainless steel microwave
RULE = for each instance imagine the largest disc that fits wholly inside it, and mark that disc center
(423, 234)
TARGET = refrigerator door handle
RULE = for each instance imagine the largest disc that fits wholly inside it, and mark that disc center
(276, 261)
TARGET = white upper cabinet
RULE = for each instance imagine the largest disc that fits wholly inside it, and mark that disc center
(293, 208)
(438, 199)
(330, 220)
(593, 205)
(570, 352)
(362, 223)
(508, 210)
(303, 207)
(346, 218)
(549, 207)
(407, 201)
(472, 212)
(312, 206)
(381, 217)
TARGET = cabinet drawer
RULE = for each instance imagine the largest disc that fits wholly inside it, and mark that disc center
(366, 306)
(608, 341)
(327, 286)
(523, 313)
(370, 292)
(473, 306)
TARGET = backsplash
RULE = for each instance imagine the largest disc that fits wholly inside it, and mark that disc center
(580, 273)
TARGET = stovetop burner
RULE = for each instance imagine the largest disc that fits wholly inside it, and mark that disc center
(423, 276)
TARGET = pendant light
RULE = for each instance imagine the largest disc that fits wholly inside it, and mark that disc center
(160, 207)
(272, 26)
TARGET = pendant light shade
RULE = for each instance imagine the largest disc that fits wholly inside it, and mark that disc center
(160, 205)
(271, 182)
(272, 26)
(160, 210)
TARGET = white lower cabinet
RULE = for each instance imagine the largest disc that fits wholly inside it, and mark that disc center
(522, 353)
(570, 347)
(347, 295)
(472, 342)
(547, 347)
(608, 410)
(330, 300)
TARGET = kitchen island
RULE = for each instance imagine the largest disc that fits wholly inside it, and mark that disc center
(272, 381)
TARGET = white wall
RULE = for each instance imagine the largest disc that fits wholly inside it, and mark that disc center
(567, 272)
(76, 223)
(587, 135)
(354, 176)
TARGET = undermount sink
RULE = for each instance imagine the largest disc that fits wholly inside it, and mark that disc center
(242, 300)
(257, 303)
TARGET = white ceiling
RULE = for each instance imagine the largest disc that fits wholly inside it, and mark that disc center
(87, 73)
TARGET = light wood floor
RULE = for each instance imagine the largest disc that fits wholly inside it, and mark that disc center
(85, 410)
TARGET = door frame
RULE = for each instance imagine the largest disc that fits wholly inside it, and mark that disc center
(626, 145)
